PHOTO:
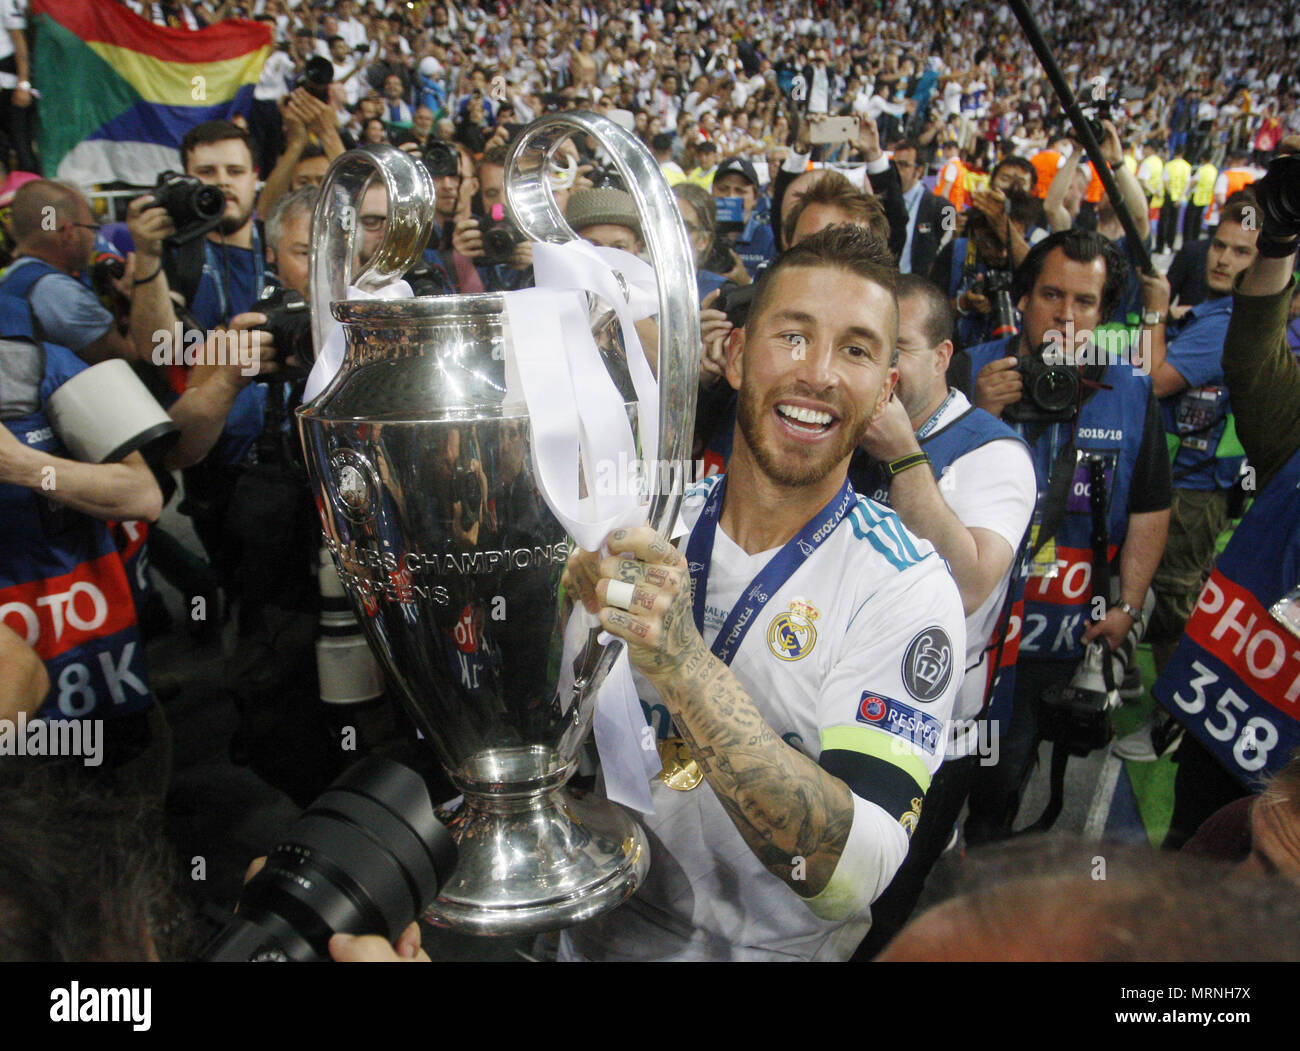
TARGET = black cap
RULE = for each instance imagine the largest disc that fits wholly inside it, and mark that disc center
(737, 166)
(662, 141)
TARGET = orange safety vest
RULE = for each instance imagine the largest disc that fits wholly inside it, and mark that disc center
(1096, 191)
(1238, 179)
(955, 190)
(1045, 162)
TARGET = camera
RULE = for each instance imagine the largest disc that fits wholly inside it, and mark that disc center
(317, 76)
(1098, 109)
(289, 322)
(1051, 391)
(365, 858)
(996, 287)
(441, 159)
(734, 301)
(194, 206)
(1278, 197)
(602, 175)
(500, 236)
(426, 281)
(1077, 715)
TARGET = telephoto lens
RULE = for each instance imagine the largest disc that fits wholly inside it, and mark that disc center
(365, 858)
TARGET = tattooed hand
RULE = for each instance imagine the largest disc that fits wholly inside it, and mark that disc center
(581, 573)
(659, 628)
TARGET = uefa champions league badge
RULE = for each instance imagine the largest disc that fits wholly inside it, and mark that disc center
(792, 635)
(353, 487)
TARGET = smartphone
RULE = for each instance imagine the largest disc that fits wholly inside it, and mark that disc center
(833, 129)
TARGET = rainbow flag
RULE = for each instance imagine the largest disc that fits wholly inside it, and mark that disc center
(119, 93)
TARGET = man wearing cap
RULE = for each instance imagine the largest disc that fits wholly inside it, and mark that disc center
(753, 239)
(607, 218)
(706, 165)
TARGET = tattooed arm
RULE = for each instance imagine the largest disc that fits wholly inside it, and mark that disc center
(783, 804)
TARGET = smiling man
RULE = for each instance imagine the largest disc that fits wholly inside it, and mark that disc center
(798, 657)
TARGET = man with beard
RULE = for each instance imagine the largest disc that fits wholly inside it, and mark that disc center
(800, 653)
(220, 154)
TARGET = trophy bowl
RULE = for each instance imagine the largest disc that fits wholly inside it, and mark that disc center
(420, 457)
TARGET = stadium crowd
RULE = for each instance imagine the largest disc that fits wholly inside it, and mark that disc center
(927, 124)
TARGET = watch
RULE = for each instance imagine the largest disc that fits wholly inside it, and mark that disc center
(24, 85)
(1152, 317)
(1136, 614)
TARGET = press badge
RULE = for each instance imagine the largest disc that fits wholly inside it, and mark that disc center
(1286, 611)
(1196, 414)
(1043, 565)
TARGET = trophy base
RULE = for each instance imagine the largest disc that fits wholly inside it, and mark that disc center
(539, 863)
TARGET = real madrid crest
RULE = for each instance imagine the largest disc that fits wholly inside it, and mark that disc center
(352, 487)
(911, 817)
(791, 635)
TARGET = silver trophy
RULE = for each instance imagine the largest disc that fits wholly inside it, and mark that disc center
(448, 552)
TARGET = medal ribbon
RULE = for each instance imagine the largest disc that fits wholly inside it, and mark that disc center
(780, 568)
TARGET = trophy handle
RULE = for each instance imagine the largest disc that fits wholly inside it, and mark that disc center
(533, 208)
(335, 223)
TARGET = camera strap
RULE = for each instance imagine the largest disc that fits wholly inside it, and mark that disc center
(185, 268)
(1052, 503)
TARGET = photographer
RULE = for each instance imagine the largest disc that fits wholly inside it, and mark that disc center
(453, 235)
(502, 255)
(63, 585)
(1249, 606)
(306, 118)
(270, 531)
(1068, 284)
(54, 229)
(975, 267)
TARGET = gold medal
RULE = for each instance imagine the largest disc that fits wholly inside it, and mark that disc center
(681, 772)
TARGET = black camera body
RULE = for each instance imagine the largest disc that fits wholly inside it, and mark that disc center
(1096, 111)
(426, 281)
(317, 76)
(500, 236)
(1050, 394)
(441, 159)
(1077, 714)
(194, 206)
(288, 320)
(1278, 197)
(734, 300)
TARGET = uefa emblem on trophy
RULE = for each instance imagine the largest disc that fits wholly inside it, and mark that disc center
(420, 451)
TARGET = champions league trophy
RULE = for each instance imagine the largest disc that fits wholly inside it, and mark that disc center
(451, 557)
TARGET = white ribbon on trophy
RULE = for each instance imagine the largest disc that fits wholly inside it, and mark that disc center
(579, 423)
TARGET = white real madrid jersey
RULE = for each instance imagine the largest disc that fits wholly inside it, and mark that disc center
(855, 661)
